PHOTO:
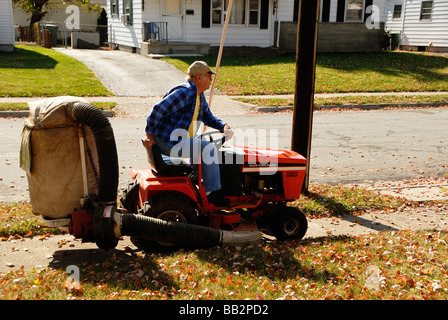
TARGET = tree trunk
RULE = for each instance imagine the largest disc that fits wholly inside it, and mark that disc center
(36, 18)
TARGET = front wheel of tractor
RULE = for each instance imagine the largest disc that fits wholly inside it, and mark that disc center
(288, 223)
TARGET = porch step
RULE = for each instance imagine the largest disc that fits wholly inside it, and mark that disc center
(184, 50)
(174, 49)
(172, 55)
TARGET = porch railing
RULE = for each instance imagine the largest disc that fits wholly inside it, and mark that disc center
(155, 31)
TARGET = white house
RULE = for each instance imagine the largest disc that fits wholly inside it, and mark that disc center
(351, 10)
(65, 20)
(253, 23)
(7, 41)
(57, 13)
(419, 24)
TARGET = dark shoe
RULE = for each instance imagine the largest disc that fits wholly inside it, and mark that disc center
(218, 199)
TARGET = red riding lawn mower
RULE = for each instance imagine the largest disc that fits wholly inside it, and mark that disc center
(69, 154)
(257, 181)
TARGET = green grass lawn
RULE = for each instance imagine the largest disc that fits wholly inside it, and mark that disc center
(39, 72)
(36, 71)
(373, 72)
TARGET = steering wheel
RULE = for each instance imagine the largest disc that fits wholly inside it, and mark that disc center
(217, 142)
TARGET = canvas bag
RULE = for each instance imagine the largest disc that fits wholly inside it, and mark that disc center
(50, 156)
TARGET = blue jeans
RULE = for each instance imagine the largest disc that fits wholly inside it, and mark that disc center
(188, 147)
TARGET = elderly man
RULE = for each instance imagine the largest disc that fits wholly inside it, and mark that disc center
(174, 121)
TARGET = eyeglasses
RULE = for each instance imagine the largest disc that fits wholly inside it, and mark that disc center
(209, 74)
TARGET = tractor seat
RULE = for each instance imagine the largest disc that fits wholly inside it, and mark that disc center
(165, 168)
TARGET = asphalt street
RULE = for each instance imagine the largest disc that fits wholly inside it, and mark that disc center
(347, 147)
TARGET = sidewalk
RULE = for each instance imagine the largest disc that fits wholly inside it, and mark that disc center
(228, 105)
(418, 190)
(138, 106)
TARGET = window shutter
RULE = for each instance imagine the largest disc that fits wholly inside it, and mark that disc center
(340, 13)
(264, 14)
(326, 10)
(206, 13)
(368, 3)
(295, 16)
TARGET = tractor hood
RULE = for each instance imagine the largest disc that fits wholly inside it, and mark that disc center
(267, 159)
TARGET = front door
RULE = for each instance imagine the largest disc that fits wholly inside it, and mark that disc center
(173, 14)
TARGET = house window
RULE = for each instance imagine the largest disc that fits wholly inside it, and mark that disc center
(397, 12)
(244, 12)
(426, 10)
(114, 8)
(127, 12)
(172, 7)
(353, 12)
(253, 12)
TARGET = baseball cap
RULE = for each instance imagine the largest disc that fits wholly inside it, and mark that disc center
(199, 67)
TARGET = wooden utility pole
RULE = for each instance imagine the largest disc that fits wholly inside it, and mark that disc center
(307, 26)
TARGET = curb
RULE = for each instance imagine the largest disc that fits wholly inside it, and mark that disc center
(26, 114)
(385, 105)
(358, 106)
(14, 114)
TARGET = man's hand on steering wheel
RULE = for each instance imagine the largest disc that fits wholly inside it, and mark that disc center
(228, 132)
(149, 141)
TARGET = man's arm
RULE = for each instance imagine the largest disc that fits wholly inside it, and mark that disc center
(171, 103)
(210, 120)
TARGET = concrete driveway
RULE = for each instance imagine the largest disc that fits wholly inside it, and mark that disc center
(127, 74)
(139, 82)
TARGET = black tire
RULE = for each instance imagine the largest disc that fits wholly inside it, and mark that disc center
(288, 223)
(170, 207)
(129, 197)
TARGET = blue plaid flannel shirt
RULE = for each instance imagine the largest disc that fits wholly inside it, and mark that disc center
(175, 111)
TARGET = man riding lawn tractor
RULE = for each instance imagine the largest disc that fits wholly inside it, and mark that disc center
(237, 185)
(181, 109)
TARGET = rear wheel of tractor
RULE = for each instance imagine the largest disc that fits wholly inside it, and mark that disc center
(129, 197)
(289, 223)
(169, 207)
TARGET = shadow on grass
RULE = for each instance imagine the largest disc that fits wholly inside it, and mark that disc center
(335, 208)
(24, 58)
(126, 270)
(123, 269)
(275, 260)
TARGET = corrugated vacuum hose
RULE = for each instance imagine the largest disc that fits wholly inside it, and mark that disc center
(101, 128)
